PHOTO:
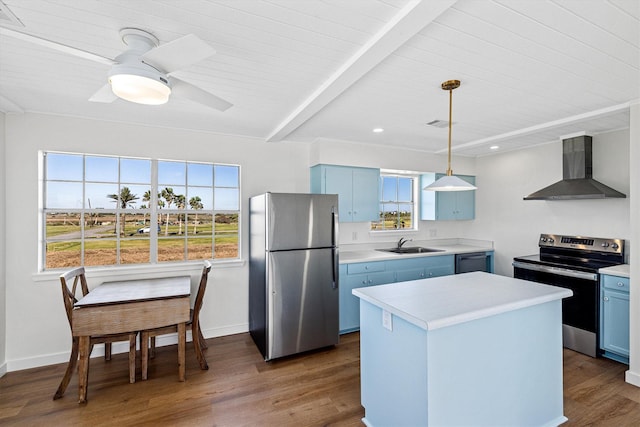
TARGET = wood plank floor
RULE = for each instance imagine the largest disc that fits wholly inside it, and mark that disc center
(321, 388)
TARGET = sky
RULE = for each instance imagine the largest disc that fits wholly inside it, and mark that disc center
(107, 175)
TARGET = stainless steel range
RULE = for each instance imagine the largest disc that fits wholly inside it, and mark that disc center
(573, 262)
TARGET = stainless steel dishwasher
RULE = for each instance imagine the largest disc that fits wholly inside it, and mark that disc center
(474, 261)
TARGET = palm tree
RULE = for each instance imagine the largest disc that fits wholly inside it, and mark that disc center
(169, 197)
(180, 203)
(145, 198)
(126, 199)
(196, 204)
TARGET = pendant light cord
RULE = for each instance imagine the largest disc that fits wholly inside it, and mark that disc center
(449, 171)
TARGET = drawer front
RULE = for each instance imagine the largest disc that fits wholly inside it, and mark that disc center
(365, 267)
(616, 282)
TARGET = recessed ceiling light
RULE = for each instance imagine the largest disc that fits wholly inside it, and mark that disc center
(378, 130)
(494, 147)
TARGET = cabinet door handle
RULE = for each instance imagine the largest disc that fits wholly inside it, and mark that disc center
(606, 298)
(620, 284)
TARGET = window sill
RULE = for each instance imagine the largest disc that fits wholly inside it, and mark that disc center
(399, 232)
(139, 271)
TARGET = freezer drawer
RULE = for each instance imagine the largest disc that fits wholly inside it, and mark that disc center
(302, 301)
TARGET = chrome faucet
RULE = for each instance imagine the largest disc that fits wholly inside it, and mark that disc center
(402, 241)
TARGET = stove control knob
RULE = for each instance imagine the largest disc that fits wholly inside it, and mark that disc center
(550, 240)
(615, 246)
(543, 239)
(605, 245)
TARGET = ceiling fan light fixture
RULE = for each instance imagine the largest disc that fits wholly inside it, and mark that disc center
(139, 85)
(449, 182)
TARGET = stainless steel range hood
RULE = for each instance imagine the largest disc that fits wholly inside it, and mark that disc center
(577, 181)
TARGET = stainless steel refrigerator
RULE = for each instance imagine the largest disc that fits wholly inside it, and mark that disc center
(293, 272)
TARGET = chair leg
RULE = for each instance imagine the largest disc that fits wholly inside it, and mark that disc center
(132, 358)
(203, 343)
(107, 351)
(73, 360)
(196, 334)
(144, 353)
(152, 348)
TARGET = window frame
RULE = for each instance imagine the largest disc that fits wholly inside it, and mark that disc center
(152, 210)
(415, 183)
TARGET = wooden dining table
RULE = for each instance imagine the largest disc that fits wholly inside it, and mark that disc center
(128, 306)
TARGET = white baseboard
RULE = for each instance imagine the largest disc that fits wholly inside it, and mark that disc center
(120, 347)
(632, 378)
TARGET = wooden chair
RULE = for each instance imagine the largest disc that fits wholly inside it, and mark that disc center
(194, 323)
(69, 298)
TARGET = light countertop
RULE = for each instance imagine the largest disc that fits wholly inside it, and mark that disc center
(445, 301)
(351, 253)
(621, 270)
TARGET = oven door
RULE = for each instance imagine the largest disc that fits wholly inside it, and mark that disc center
(580, 311)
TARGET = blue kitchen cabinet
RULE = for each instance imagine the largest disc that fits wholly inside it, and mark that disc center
(446, 205)
(614, 317)
(353, 276)
(363, 274)
(357, 190)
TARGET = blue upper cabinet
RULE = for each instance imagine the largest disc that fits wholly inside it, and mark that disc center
(446, 205)
(357, 190)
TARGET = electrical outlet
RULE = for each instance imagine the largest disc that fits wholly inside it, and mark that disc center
(387, 321)
(354, 235)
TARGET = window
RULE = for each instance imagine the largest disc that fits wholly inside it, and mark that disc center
(101, 210)
(397, 207)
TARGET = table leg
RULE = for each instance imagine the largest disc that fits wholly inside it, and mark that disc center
(182, 343)
(83, 368)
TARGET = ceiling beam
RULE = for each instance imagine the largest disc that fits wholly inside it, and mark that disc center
(411, 19)
(603, 112)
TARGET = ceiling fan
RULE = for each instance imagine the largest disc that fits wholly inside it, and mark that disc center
(143, 72)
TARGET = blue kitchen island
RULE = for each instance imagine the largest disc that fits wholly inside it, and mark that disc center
(472, 349)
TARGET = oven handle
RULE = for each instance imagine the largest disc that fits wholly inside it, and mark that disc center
(557, 270)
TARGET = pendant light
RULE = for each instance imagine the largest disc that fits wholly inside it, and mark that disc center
(449, 182)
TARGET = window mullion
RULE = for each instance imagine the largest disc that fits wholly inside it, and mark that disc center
(153, 220)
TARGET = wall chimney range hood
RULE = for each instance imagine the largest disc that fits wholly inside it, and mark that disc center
(577, 181)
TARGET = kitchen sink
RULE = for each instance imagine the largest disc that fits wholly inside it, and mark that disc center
(410, 250)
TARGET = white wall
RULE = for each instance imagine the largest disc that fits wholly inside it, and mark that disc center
(355, 154)
(515, 224)
(37, 331)
(3, 318)
(633, 374)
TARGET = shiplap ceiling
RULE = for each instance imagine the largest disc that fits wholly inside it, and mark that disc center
(306, 70)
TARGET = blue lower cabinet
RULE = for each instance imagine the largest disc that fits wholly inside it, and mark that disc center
(362, 274)
(614, 317)
(350, 304)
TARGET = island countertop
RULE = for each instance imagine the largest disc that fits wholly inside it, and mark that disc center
(444, 301)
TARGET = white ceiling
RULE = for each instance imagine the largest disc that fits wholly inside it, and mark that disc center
(302, 70)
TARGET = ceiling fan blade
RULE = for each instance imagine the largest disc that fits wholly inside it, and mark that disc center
(104, 94)
(179, 53)
(185, 90)
(56, 46)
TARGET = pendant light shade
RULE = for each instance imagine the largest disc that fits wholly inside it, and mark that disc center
(449, 182)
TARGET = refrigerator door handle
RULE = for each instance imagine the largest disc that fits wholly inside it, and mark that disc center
(334, 226)
(335, 258)
(336, 273)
